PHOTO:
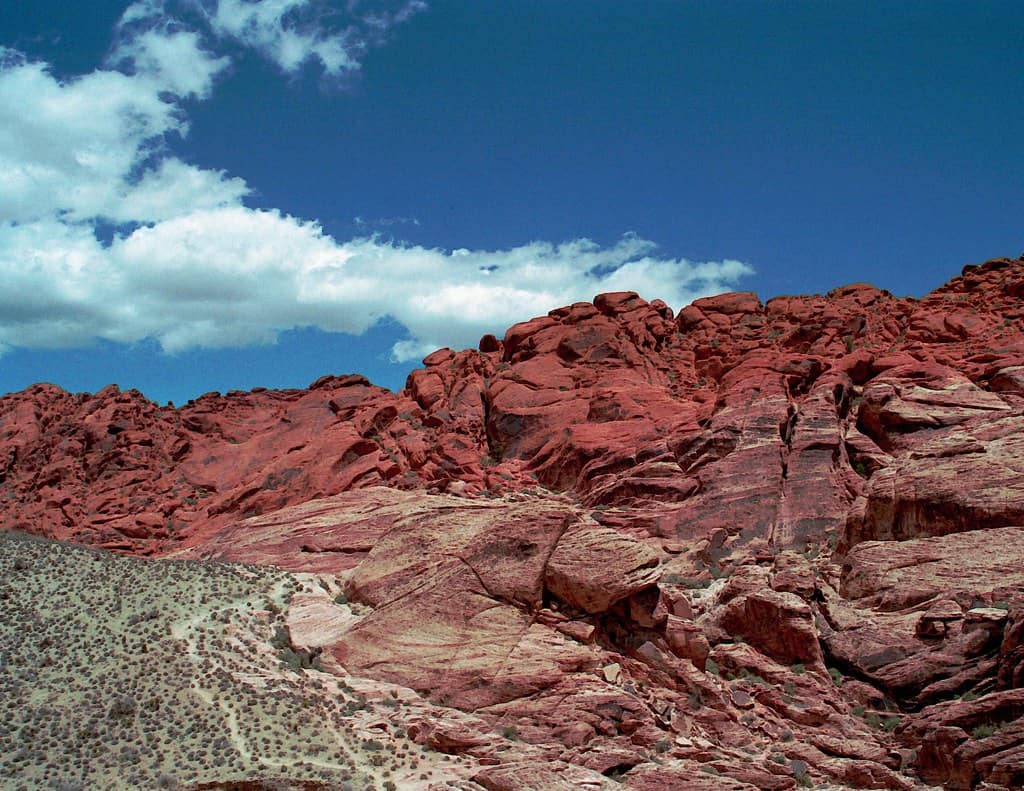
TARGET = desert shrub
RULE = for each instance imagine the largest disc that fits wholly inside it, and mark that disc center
(754, 678)
(122, 707)
(984, 731)
(693, 583)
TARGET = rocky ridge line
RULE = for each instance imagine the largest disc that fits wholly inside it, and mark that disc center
(816, 503)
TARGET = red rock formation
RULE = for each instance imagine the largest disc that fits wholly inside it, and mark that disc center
(736, 547)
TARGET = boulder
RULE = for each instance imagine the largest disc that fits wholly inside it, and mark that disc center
(779, 624)
(592, 568)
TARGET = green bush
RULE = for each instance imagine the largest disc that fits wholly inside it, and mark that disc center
(300, 660)
(984, 731)
(281, 638)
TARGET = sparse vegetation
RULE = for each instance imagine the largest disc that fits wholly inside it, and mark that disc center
(693, 583)
(887, 724)
(754, 678)
(986, 730)
(127, 673)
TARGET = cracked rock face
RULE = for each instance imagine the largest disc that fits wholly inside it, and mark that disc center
(745, 546)
(461, 591)
(455, 590)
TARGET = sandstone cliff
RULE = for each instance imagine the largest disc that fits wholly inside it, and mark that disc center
(748, 546)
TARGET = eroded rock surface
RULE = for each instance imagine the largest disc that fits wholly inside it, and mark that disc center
(745, 546)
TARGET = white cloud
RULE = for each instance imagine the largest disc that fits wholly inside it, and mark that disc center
(96, 147)
(234, 276)
(191, 265)
(364, 224)
(266, 27)
(75, 149)
(172, 187)
(69, 147)
(55, 278)
(174, 59)
(289, 33)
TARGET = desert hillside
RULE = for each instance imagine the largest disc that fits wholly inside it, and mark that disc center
(748, 546)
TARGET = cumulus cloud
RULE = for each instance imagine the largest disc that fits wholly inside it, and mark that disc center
(234, 276)
(71, 148)
(94, 147)
(191, 265)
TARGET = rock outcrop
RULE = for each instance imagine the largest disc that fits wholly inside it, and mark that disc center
(745, 546)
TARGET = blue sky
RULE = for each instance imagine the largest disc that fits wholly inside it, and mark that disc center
(215, 194)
